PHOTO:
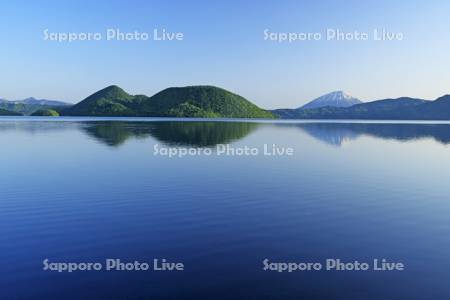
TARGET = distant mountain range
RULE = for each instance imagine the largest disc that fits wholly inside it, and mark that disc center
(403, 108)
(30, 105)
(333, 99)
(34, 101)
(190, 101)
(214, 102)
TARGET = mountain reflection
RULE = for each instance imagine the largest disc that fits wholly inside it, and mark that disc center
(337, 134)
(173, 133)
(210, 133)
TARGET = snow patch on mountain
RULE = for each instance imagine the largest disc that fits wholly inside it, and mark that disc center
(333, 99)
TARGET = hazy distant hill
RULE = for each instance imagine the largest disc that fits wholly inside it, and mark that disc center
(4, 112)
(30, 105)
(44, 102)
(436, 110)
(191, 101)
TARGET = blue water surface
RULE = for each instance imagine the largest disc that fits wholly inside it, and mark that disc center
(88, 189)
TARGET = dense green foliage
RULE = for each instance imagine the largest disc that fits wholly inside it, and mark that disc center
(45, 113)
(111, 101)
(394, 109)
(192, 101)
(4, 112)
(204, 101)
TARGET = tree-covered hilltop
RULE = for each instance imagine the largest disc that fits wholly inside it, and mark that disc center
(45, 113)
(191, 101)
(4, 112)
(203, 101)
(110, 101)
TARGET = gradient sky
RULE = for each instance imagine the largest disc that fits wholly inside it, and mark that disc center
(224, 46)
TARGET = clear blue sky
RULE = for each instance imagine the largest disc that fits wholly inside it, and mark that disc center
(224, 45)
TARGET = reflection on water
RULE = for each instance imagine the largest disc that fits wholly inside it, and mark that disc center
(195, 134)
(211, 133)
(201, 134)
(74, 190)
(339, 133)
(330, 134)
(116, 133)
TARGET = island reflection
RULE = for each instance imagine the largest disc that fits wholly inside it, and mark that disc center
(211, 133)
(337, 134)
(192, 134)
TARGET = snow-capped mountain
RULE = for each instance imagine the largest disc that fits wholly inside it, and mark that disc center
(333, 99)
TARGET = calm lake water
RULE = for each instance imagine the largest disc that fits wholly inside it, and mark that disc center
(83, 190)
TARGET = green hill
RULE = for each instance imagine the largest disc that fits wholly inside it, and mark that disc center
(203, 101)
(4, 112)
(192, 101)
(111, 101)
(45, 113)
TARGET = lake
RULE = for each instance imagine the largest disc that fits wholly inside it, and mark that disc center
(88, 189)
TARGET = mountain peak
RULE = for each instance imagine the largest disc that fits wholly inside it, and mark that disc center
(112, 89)
(112, 92)
(341, 94)
(333, 99)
